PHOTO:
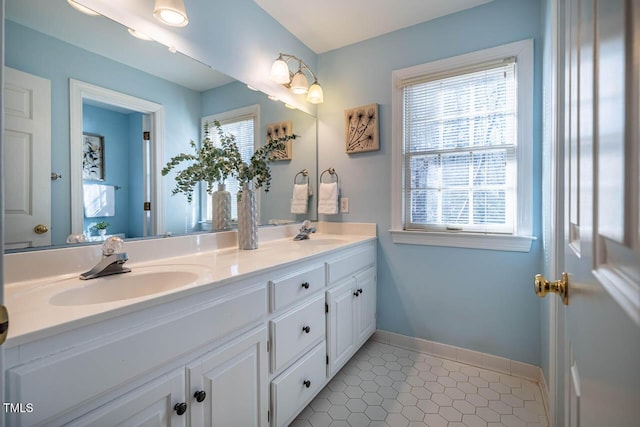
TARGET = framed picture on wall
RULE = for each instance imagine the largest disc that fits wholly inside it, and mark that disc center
(361, 129)
(93, 157)
(279, 130)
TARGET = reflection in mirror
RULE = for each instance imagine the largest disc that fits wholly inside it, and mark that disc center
(49, 45)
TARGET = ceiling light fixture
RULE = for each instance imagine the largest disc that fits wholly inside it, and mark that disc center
(297, 82)
(83, 9)
(171, 12)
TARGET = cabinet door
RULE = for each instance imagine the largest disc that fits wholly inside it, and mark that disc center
(340, 325)
(365, 305)
(234, 381)
(151, 405)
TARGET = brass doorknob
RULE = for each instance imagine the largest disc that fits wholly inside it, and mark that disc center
(561, 287)
(40, 229)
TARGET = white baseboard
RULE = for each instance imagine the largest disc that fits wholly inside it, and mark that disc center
(462, 355)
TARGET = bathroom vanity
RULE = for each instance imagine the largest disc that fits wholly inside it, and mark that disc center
(212, 336)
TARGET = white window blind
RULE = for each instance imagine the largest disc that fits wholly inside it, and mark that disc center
(243, 130)
(459, 149)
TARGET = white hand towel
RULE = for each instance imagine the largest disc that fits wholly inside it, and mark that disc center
(328, 198)
(300, 198)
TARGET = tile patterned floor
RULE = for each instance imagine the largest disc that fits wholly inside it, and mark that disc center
(386, 386)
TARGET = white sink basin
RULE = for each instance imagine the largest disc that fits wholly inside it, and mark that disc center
(142, 281)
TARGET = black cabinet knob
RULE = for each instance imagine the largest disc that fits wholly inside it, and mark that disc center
(356, 294)
(200, 395)
(305, 285)
(360, 290)
(306, 329)
(180, 408)
(306, 383)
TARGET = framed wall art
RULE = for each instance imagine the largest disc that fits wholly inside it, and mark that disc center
(93, 157)
(279, 130)
(361, 129)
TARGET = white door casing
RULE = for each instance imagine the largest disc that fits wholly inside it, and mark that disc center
(27, 159)
(79, 91)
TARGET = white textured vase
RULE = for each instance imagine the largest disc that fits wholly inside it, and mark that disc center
(221, 202)
(247, 218)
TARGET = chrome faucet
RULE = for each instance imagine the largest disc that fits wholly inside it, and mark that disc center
(112, 261)
(305, 230)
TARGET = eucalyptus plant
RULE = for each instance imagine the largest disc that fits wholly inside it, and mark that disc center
(213, 163)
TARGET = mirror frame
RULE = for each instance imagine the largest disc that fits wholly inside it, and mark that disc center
(79, 91)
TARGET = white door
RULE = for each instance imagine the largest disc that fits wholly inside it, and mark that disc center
(602, 240)
(228, 387)
(340, 324)
(366, 304)
(160, 403)
(27, 160)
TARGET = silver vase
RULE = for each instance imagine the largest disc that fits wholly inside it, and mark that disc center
(221, 202)
(247, 218)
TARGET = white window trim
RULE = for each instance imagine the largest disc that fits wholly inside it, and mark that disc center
(523, 237)
(229, 116)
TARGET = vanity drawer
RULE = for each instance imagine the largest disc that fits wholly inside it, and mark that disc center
(289, 289)
(289, 391)
(350, 263)
(296, 331)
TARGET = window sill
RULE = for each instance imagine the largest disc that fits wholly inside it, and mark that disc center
(496, 242)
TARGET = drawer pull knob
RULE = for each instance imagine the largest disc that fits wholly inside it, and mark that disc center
(306, 329)
(356, 294)
(180, 408)
(306, 383)
(305, 285)
(200, 396)
(360, 291)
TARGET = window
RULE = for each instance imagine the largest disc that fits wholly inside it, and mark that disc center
(462, 150)
(243, 124)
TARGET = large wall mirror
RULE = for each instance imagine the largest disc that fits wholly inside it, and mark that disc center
(94, 113)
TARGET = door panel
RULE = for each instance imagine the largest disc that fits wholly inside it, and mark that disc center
(602, 320)
(340, 324)
(27, 159)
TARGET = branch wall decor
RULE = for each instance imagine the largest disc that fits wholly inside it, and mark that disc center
(361, 129)
(280, 130)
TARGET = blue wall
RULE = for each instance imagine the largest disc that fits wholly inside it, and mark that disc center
(114, 127)
(52, 59)
(136, 190)
(275, 203)
(476, 299)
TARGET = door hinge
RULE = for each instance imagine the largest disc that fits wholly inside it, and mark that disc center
(268, 346)
(146, 135)
(326, 307)
(146, 206)
(327, 359)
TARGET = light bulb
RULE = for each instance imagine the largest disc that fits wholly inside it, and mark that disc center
(279, 72)
(315, 95)
(171, 12)
(299, 83)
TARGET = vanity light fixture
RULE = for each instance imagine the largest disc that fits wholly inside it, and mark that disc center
(171, 12)
(297, 81)
(273, 98)
(83, 9)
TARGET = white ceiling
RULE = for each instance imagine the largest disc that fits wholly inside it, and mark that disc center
(329, 24)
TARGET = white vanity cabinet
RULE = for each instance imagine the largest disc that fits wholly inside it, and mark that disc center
(227, 386)
(250, 351)
(153, 404)
(351, 302)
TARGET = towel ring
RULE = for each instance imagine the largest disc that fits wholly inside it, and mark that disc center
(332, 172)
(304, 173)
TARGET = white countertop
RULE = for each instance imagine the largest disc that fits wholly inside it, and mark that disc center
(33, 315)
